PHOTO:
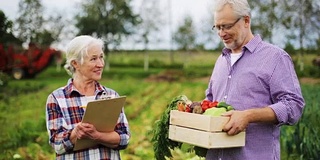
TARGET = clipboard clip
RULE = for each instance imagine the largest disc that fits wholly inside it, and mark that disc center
(105, 96)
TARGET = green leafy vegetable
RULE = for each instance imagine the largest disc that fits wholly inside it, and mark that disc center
(162, 145)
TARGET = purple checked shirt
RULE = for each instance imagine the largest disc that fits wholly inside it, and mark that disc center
(263, 76)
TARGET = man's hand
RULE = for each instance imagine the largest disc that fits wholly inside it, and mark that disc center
(238, 122)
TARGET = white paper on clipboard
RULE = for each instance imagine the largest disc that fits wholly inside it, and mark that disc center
(103, 114)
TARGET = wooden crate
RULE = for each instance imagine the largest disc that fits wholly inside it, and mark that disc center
(202, 130)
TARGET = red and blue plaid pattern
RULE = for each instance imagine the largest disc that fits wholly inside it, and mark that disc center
(64, 110)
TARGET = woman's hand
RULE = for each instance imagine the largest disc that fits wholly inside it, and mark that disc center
(86, 130)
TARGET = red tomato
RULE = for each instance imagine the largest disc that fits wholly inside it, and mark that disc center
(213, 104)
(188, 109)
(205, 104)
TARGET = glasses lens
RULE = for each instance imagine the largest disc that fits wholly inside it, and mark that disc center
(216, 28)
(224, 26)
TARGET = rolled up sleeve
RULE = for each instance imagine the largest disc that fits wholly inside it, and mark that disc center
(122, 128)
(59, 135)
(286, 92)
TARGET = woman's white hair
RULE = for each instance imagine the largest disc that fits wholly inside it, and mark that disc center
(77, 49)
(240, 7)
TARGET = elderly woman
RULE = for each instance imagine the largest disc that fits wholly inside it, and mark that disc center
(85, 63)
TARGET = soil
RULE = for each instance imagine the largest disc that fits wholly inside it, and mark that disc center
(166, 76)
(309, 80)
(174, 75)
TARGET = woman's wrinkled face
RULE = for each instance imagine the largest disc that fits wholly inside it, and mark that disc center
(93, 64)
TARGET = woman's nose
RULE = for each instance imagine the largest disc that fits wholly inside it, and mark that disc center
(100, 62)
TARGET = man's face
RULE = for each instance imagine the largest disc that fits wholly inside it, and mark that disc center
(230, 28)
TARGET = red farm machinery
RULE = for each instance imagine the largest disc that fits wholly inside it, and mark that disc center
(26, 63)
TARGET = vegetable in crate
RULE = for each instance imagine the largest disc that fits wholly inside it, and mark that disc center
(216, 108)
(160, 140)
(161, 143)
(215, 111)
(196, 107)
(224, 105)
(184, 105)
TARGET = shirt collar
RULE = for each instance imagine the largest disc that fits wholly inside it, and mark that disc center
(70, 87)
(250, 46)
(253, 43)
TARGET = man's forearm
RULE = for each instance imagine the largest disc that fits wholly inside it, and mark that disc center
(262, 115)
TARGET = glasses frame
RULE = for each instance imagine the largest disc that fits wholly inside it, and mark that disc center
(225, 26)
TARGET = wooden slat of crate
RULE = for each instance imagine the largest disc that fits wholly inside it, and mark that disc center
(205, 139)
(198, 121)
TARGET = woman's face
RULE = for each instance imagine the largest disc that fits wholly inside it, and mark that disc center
(93, 64)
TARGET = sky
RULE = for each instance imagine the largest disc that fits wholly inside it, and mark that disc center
(199, 10)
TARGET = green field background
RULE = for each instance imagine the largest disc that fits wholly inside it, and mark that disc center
(22, 105)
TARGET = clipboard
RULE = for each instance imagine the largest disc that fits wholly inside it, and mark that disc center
(103, 114)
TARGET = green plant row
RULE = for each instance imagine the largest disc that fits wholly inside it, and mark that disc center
(302, 140)
(148, 93)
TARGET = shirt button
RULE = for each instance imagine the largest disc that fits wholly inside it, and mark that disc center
(229, 76)
(225, 97)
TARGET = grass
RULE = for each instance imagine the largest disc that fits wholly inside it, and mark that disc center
(22, 104)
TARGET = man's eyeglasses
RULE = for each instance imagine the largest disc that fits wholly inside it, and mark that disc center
(225, 26)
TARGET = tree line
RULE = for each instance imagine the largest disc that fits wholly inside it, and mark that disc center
(297, 21)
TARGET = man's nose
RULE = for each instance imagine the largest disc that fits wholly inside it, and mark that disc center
(221, 32)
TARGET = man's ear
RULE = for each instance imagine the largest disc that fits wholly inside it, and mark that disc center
(247, 20)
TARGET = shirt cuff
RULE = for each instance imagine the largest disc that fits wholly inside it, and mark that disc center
(280, 111)
(67, 141)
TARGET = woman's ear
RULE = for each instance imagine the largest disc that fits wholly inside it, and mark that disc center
(75, 64)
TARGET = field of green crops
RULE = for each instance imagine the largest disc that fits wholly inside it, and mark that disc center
(22, 105)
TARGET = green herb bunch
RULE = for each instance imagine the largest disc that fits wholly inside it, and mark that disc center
(161, 143)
